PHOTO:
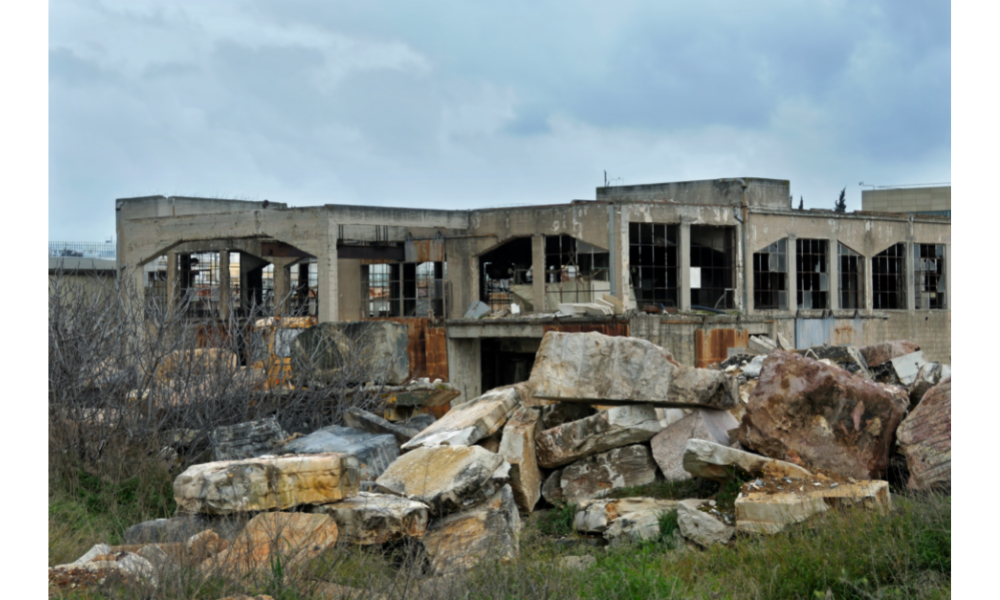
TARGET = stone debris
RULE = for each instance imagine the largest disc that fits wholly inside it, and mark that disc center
(924, 438)
(846, 357)
(607, 370)
(771, 512)
(181, 528)
(612, 428)
(575, 563)
(374, 452)
(446, 478)
(292, 538)
(878, 354)
(366, 421)
(559, 413)
(668, 445)
(928, 376)
(247, 440)
(203, 545)
(595, 475)
(552, 488)
(907, 367)
(370, 518)
(517, 447)
(697, 523)
(752, 369)
(595, 516)
(491, 443)
(460, 540)
(784, 344)
(760, 344)
(813, 415)
(469, 423)
(98, 569)
(266, 483)
(342, 351)
(709, 460)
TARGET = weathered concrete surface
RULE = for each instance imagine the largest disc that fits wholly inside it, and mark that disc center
(446, 478)
(595, 516)
(517, 447)
(820, 417)
(596, 475)
(552, 488)
(366, 421)
(294, 538)
(924, 437)
(709, 460)
(375, 452)
(612, 428)
(376, 518)
(247, 440)
(267, 483)
(460, 540)
(701, 424)
(470, 422)
(759, 512)
(929, 375)
(353, 351)
(605, 370)
(701, 527)
(877, 354)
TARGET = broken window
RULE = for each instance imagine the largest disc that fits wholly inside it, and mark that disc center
(851, 277)
(304, 280)
(575, 271)
(384, 290)
(653, 263)
(889, 278)
(713, 261)
(928, 275)
(198, 280)
(505, 276)
(812, 281)
(405, 289)
(770, 277)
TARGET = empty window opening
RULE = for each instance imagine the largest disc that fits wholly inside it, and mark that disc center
(304, 281)
(198, 283)
(405, 289)
(928, 276)
(384, 290)
(713, 262)
(505, 275)
(575, 271)
(653, 264)
(505, 361)
(812, 281)
(852, 267)
(770, 277)
(889, 278)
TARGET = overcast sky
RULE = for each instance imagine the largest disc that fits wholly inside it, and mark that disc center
(471, 104)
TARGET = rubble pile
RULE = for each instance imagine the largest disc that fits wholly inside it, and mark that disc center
(795, 431)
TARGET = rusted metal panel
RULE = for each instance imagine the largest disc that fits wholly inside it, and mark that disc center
(713, 345)
(436, 344)
(612, 329)
(420, 251)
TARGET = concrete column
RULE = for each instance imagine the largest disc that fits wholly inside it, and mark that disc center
(867, 292)
(790, 264)
(224, 307)
(833, 272)
(173, 289)
(326, 262)
(947, 277)
(282, 283)
(684, 265)
(908, 262)
(620, 256)
(538, 272)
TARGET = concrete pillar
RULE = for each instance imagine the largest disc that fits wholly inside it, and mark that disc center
(328, 294)
(224, 307)
(793, 272)
(173, 288)
(282, 282)
(908, 262)
(833, 272)
(620, 255)
(538, 272)
(684, 265)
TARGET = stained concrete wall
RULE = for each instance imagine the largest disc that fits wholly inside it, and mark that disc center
(465, 367)
(901, 200)
(759, 192)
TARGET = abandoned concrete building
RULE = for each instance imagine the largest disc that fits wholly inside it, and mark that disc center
(696, 266)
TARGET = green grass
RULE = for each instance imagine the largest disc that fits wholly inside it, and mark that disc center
(557, 521)
(668, 490)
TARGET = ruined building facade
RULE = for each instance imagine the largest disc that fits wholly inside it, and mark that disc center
(698, 266)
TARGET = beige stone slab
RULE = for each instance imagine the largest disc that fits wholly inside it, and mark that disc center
(470, 422)
(608, 429)
(292, 538)
(517, 447)
(460, 540)
(759, 512)
(709, 460)
(370, 518)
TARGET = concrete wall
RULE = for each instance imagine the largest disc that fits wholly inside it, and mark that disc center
(760, 192)
(465, 367)
(901, 200)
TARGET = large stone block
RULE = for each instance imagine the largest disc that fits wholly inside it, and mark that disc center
(595, 516)
(376, 518)
(460, 540)
(595, 475)
(612, 428)
(291, 538)
(605, 370)
(247, 440)
(924, 438)
(701, 526)
(822, 417)
(366, 421)
(352, 352)
(709, 460)
(517, 447)
(929, 375)
(701, 424)
(878, 354)
(845, 356)
(470, 422)
(446, 478)
(763, 512)
(374, 452)
(267, 483)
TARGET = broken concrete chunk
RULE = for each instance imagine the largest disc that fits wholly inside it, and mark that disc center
(247, 440)
(928, 376)
(594, 476)
(819, 417)
(700, 526)
(374, 452)
(761, 512)
(266, 483)
(446, 478)
(752, 369)
(784, 344)
(376, 518)
(846, 357)
(878, 354)
(292, 538)
(517, 447)
(761, 344)
(713, 461)
(924, 437)
(907, 366)
(459, 541)
(366, 421)
(668, 445)
(612, 428)
(348, 352)
(595, 516)
(469, 423)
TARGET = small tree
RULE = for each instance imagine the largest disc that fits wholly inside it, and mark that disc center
(841, 205)
(800, 203)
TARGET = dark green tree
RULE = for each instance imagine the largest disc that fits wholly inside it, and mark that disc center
(841, 205)
(800, 203)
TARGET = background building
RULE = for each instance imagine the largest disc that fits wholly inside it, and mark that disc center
(919, 200)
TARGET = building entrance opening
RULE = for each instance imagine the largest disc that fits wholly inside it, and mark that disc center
(713, 266)
(505, 274)
(507, 360)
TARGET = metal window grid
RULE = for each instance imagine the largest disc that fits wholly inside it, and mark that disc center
(653, 263)
(812, 285)
(770, 276)
(889, 278)
(928, 276)
(851, 277)
(713, 250)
